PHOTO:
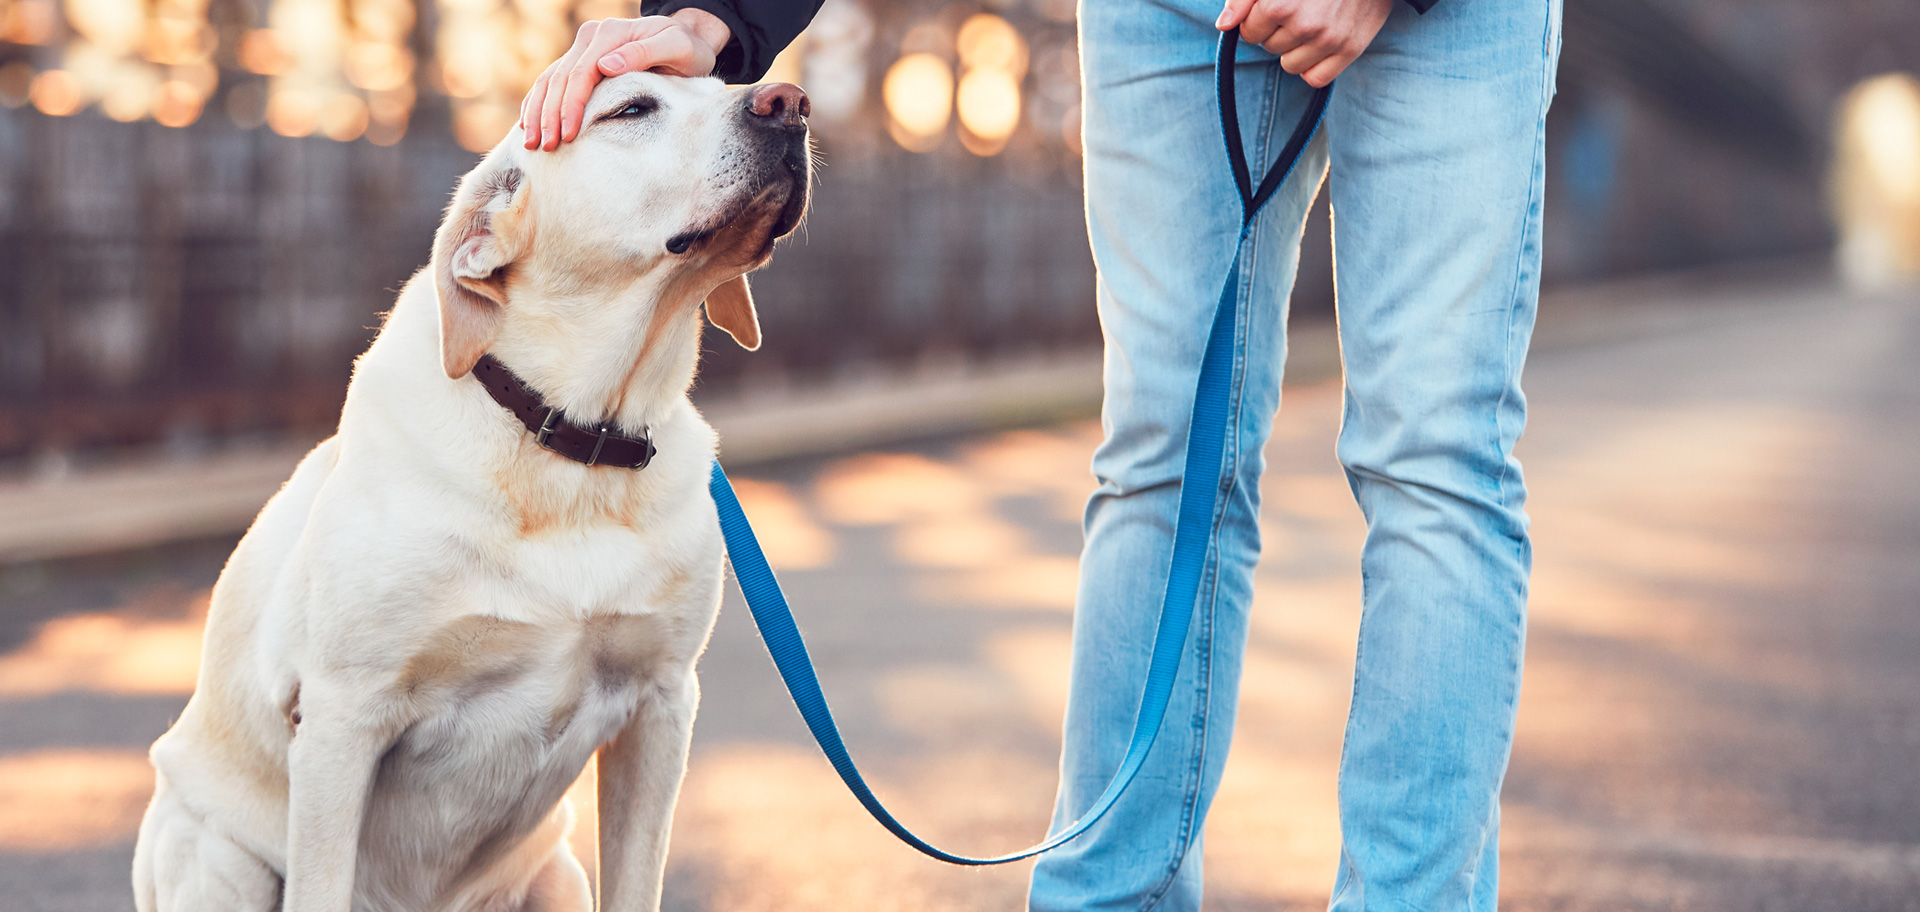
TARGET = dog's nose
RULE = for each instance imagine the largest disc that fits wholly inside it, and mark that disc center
(778, 104)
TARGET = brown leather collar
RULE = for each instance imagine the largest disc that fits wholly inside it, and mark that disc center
(596, 445)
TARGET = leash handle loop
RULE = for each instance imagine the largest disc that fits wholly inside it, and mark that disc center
(1193, 539)
(1251, 199)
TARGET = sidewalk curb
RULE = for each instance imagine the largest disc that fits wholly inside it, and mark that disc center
(145, 502)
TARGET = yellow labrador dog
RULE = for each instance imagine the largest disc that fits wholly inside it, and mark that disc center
(487, 575)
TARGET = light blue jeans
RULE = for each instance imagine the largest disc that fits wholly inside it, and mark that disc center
(1434, 144)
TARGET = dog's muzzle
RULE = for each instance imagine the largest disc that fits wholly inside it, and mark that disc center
(778, 111)
(774, 118)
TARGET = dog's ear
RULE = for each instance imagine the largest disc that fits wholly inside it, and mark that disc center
(483, 233)
(730, 307)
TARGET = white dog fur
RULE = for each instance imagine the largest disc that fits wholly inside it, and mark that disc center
(435, 623)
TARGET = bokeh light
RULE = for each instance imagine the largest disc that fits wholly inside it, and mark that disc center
(177, 105)
(343, 117)
(490, 52)
(27, 22)
(1876, 181)
(378, 66)
(993, 58)
(292, 112)
(989, 42)
(919, 96)
(113, 26)
(355, 69)
(260, 52)
(989, 103)
(129, 97)
(1886, 116)
(56, 92)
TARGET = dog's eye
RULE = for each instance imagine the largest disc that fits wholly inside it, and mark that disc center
(637, 108)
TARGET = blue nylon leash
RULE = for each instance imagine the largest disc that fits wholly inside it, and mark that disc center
(1192, 541)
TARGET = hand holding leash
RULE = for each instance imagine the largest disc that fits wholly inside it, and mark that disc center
(1314, 39)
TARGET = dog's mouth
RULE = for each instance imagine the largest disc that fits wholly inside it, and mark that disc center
(776, 209)
(687, 240)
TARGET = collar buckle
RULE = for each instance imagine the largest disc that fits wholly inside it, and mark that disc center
(545, 432)
(585, 444)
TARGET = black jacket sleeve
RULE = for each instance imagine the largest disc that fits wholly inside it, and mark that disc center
(761, 30)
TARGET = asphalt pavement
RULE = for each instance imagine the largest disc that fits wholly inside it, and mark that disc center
(1722, 699)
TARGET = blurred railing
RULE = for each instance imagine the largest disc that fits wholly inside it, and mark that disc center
(204, 204)
(159, 282)
(206, 282)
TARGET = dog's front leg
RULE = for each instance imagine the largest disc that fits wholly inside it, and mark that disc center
(330, 768)
(640, 773)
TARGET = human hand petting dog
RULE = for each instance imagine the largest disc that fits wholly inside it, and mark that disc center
(683, 44)
(1315, 39)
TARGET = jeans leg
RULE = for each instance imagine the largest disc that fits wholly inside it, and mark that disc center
(1163, 216)
(1435, 176)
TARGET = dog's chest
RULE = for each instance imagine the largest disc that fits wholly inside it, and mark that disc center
(507, 714)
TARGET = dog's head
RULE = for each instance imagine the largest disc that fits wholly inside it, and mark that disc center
(672, 184)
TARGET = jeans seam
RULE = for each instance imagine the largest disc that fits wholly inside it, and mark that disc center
(1527, 240)
(1353, 877)
(1346, 737)
(1236, 407)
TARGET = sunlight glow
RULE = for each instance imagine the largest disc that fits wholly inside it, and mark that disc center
(343, 117)
(994, 58)
(490, 53)
(1886, 114)
(261, 52)
(177, 104)
(107, 653)
(788, 533)
(989, 103)
(56, 92)
(919, 96)
(69, 799)
(377, 66)
(291, 112)
(1876, 181)
(28, 21)
(113, 26)
(988, 42)
(129, 97)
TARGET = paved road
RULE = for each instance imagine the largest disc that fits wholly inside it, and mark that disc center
(1721, 711)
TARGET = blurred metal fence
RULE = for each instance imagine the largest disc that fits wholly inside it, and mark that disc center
(159, 282)
(208, 282)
